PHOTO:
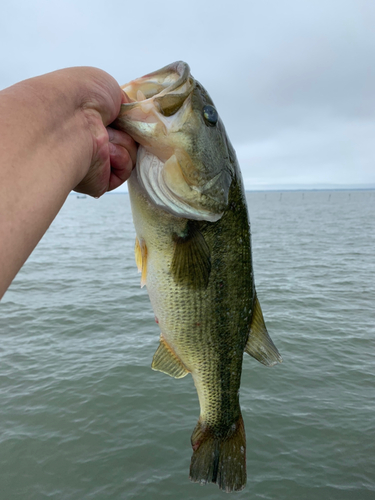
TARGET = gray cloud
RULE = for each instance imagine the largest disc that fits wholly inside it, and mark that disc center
(293, 81)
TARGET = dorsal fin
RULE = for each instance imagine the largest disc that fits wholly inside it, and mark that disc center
(259, 344)
(165, 360)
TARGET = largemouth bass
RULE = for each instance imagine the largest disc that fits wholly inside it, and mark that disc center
(193, 251)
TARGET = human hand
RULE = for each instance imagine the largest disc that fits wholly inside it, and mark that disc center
(114, 152)
(55, 136)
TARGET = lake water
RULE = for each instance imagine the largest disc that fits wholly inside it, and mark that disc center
(83, 416)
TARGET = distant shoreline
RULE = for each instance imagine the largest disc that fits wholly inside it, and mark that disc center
(276, 190)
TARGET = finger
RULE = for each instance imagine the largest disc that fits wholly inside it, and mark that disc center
(124, 140)
(100, 92)
(121, 165)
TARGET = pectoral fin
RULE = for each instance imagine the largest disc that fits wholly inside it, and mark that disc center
(191, 263)
(166, 361)
(138, 255)
(259, 344)
(140, 252)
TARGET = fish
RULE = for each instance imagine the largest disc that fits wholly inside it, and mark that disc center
(193, 250)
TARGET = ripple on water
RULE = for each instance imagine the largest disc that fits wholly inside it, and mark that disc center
(83, 416)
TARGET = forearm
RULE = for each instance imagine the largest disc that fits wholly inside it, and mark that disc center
(46, 148)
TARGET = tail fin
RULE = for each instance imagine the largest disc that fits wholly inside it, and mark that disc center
(219, 459)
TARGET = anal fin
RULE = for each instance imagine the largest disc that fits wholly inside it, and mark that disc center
(259, 344)
(166, 361)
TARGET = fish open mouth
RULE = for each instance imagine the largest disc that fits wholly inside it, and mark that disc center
(161, 118)
(167, 88)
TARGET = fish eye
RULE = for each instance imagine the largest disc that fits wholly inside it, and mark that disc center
(210, 115)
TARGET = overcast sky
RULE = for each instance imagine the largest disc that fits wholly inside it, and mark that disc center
(294, 81)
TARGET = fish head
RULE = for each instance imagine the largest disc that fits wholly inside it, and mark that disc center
(184, 164)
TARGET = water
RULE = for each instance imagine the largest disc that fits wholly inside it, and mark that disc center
(82, 415)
